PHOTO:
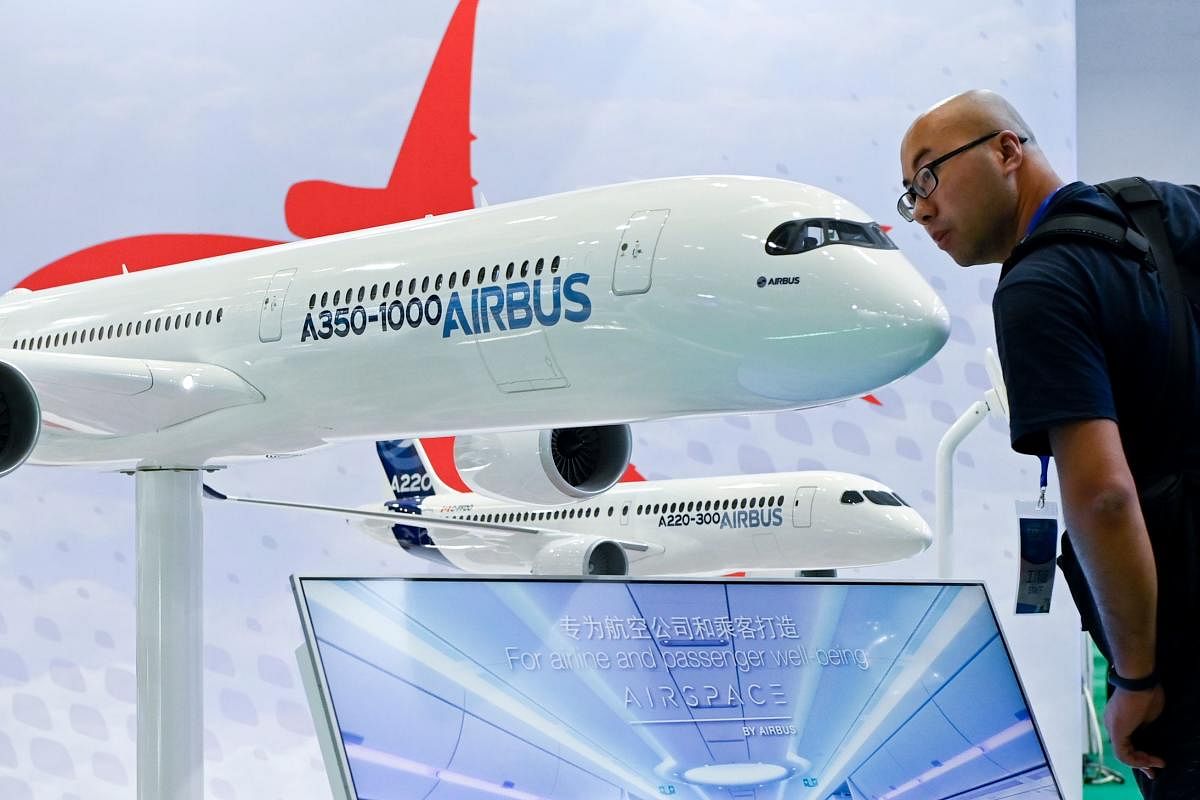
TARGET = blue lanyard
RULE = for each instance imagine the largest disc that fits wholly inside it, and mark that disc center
(1033, 223)
(1042, 482)
(1041, 211)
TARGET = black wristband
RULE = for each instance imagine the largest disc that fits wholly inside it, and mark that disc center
(1132, 684)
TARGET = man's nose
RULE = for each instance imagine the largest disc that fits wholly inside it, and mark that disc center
(924, 210)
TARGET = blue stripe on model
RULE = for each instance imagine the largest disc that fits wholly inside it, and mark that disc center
(405, 471)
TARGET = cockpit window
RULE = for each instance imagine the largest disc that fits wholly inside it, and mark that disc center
(881, 498)
(851, 498)
(803, 235)
(848, 233)
(901, 499)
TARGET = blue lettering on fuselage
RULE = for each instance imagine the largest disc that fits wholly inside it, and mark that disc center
(520, 315)
(491, 301)
(513, 306)
(517, 305)
(544, 318)
(455, 317)
(573, 295)
(753, 518)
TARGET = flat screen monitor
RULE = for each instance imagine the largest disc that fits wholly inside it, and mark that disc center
(488, 688)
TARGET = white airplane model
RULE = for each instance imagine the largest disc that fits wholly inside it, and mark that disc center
(662, 298)
(538, 328)
(775, 523)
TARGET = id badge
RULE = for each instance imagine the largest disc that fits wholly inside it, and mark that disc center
(1038, 529)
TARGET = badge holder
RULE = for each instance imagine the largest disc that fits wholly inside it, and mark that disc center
(1037, 523)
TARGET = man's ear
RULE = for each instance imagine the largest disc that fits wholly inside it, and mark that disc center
(1012, 154)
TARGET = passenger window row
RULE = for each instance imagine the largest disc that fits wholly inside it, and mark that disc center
(538, 516)
(711, 505)
(159, 324)
(655, 509)
(850, 497)
(452, 280)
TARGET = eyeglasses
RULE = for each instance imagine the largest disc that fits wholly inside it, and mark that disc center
(926, 180)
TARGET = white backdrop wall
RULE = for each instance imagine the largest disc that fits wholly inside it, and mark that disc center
(1138, 113)
(126, 118)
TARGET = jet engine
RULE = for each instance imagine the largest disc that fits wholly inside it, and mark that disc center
(581, 555)
(20, 418)
(550, 467)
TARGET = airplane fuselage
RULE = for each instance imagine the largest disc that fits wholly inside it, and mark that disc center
(700, 526)
(631, 302)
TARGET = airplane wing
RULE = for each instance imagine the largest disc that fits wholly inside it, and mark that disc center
(425, 519)
(113, 396)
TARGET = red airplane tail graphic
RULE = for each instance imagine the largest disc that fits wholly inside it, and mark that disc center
(134, 254)
(440, 452)
(432, 174)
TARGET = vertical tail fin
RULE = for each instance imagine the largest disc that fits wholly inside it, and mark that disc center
(407, 470)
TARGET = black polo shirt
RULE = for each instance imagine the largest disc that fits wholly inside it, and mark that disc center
(1082, 334)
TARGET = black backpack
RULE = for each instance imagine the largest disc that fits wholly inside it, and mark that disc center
(1145, 239)
(1170, 503)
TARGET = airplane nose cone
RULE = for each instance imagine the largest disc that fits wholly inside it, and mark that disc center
(865, 320)
(920, 534)
(919, 329)
(902, 534)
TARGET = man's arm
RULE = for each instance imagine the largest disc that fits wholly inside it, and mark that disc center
(1100, 504)
(1104, 518)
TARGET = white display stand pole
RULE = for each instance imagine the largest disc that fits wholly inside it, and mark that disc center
(994, 400)
(944, 468)
(170, 638)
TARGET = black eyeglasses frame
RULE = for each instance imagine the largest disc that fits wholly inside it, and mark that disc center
(911, 192)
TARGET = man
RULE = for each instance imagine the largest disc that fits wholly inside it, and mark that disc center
(1082, 334)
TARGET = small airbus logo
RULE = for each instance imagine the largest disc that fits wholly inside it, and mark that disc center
(779, 280)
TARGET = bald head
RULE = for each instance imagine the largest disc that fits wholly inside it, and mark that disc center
(966, 116)
(985, 177)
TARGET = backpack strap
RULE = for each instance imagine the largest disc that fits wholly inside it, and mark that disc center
(1081, 226)
(1138, 199)
(1146, 241)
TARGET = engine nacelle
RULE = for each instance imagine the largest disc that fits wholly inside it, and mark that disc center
(581, 555)
(20, 418)
(549, 468)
